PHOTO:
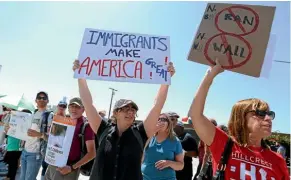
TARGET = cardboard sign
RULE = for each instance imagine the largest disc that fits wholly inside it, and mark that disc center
(237, 35)
(124, 57)
(59, 142)
(19, 124)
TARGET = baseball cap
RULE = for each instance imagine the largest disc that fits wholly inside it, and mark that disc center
(62, 103)
(124, 102)
(181, 124)
(77, 101)
(172, 114)
(42, 92)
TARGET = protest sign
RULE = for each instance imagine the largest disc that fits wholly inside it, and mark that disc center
(237, 35)
(124, 57)
(59, 141)
(19, 124)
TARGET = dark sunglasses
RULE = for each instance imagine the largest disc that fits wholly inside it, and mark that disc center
(63, 106)
(41, 98)
(164, 119)
(262, 114)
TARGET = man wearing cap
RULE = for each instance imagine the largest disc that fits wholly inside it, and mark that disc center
(190, 148)
(174, 117)
(34, 148)
(61, 111)
(75, 160)
(122, 142)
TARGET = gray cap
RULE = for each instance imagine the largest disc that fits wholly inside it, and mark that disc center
(172, 114)
(124, 102)
(77, 101)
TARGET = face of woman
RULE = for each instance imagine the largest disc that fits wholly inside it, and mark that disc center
(126, 114)
(259, 123)
(164, 120)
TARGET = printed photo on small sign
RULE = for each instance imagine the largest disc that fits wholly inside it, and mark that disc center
(237, 35)
(59, 142)
(124, 57)
(19, 124)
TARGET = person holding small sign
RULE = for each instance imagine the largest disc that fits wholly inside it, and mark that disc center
(75, 159)
(244, 154)
(121, 143)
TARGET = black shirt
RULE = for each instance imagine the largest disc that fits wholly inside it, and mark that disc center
(119, 158)
(188, 144)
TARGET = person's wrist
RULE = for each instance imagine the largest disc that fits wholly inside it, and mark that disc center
(72, 167)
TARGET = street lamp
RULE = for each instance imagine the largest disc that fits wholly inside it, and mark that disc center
(112, 94)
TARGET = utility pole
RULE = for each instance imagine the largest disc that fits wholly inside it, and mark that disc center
(112, 94)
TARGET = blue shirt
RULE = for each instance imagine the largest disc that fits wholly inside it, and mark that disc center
(154, 152)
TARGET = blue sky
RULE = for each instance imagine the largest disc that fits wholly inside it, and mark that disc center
(40, 40)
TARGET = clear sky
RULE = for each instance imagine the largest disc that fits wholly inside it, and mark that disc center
(40, 40)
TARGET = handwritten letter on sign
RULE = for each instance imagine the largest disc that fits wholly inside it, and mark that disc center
(237, 35)
(124, 57)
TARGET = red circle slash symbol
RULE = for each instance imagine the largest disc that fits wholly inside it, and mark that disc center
(225, 44)
(230, 11)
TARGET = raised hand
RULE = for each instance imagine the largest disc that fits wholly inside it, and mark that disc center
(76, 65)
(171, 69)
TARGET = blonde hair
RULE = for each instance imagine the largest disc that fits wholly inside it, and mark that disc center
(237, 125)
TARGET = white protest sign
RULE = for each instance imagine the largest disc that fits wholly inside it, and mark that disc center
(19, 124)
(124, 57)
(59, 141)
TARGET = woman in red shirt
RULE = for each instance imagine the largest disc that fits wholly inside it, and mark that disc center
(250, 123)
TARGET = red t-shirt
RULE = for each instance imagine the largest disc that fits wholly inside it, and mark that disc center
(75, 151)
(261, 164)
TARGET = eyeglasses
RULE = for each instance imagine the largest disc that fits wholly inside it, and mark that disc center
(262, 114)
(127, 108)
(41, 98)
(163, 119)
(63, 106)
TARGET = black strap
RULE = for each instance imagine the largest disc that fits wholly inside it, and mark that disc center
(219, 175)
(226, 152)
(82, 135)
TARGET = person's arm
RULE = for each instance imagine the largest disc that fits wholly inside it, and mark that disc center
(177, 165)
(152, 118)
(203, 127)
(94, 118)
(91, 153)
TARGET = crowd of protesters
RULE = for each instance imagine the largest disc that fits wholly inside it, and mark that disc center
(157, 148)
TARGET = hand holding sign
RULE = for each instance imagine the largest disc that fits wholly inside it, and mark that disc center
(215, 70)
(171, 69)
(33, 133)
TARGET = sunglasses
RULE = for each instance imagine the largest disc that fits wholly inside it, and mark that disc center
(63, 106)
(41, 98)
(163, 119)
(262, 114)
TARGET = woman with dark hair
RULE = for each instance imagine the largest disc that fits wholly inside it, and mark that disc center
(249, 124)
(163, 153)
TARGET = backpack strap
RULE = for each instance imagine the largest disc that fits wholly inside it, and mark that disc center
(45, 120)
(82, 136)
(223, 161)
